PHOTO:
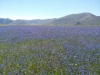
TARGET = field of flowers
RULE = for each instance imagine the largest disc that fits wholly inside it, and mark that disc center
(50, 50)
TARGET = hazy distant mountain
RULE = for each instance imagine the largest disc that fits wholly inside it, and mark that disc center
(35, 21)
(22, 22)
(73, 19)
(77, 19)
(5, 21)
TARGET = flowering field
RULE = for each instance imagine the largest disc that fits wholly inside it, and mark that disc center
(49, 50)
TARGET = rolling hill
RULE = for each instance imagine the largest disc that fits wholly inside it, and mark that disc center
(5, 21)
(73, 19)
(77, 19)
(22, 22)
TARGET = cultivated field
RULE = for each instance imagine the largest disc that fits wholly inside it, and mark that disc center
(49, 50)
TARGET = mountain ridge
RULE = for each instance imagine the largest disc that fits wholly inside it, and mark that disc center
(72, 19)
(78, 19)
(22, 21)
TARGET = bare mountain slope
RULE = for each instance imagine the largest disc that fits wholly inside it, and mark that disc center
(73, 19)
(77, 19)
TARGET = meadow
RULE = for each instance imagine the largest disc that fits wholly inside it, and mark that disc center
(49, 50)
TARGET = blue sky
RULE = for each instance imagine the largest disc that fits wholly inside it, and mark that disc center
(44, 9)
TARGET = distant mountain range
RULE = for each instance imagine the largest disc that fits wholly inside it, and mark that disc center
(26, 22)
(73, 19)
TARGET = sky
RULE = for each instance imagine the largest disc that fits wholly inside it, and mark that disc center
(46, 9)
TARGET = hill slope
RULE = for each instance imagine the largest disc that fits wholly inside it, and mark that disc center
(21, 22)
(5, 21)
(73, 19)
(77, 19)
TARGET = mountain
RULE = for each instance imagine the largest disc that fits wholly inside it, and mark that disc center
(5, 21)
(77, 19)
(35, 21)
(73, 19)
(22, 22)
